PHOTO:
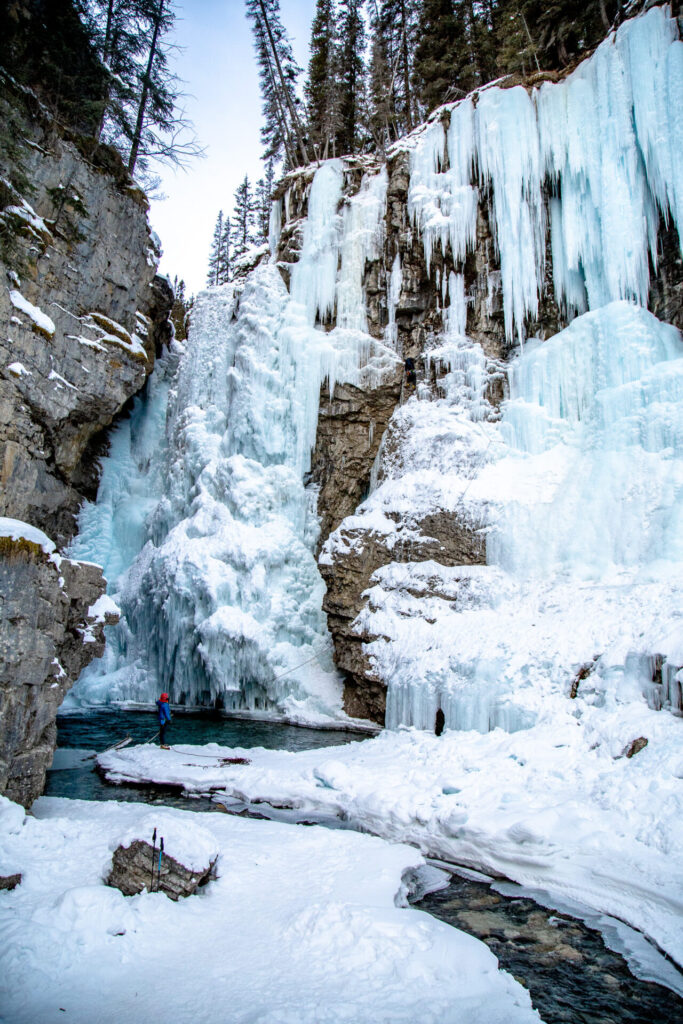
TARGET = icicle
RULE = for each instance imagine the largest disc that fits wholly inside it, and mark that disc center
(443, 204)
(609, 139)
(393, 296)
(363, 236)
(275, 225)
(314, 277)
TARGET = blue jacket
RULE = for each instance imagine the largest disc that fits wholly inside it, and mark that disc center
(164, 712)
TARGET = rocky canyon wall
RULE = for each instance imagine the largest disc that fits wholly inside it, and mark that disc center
(82, 316)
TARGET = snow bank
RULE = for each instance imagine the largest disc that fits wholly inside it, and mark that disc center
(557, 807)
(301, 926)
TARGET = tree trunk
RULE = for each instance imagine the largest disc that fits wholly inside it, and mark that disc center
(286, 135)
(146, 81)
(288, 99)
(106, 49)
(406, 69)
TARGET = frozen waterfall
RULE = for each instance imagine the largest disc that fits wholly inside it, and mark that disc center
(216, 578)
(206, 529)
(606, 142)
(581, 490)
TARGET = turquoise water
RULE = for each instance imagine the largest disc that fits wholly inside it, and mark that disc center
(97, 730)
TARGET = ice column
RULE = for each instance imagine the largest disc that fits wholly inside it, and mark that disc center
(442, 203)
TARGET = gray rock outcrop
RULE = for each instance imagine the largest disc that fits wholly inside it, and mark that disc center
(10, 881)
(48, 634)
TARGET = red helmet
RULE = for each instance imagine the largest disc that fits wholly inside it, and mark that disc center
(164, 696)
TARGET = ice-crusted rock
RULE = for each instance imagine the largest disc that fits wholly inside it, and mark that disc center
(187, 861)
(51, 627)
(349, 560)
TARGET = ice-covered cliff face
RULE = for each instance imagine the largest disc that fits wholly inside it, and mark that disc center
(576, 487)
(217, 579)
(504, 547)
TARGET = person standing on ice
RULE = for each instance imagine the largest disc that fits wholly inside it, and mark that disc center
(164, 719)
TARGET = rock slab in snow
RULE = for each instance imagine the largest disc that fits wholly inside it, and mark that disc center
(10, 881)
(134, 859)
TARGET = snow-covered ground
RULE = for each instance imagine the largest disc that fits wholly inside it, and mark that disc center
(301, 926)
(555, 807)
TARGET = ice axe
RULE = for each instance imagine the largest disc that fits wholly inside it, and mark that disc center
(161, 853)
(154, 850)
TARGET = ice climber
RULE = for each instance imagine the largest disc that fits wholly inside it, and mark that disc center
(164, 719)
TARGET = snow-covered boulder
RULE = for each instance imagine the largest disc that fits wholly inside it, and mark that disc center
(187, 861)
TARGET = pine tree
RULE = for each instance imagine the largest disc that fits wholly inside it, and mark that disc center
(214, 275)
(262, 201)
(53, 49)
(278, 72)
(447, 62)
(393, 107)
(224, 267)
(242, 231)
(554, 33)
(141, 111)
(321, 91)
(179, 310)
(351, 74)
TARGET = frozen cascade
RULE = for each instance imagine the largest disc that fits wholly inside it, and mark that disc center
(583, 487)
(579, 486)
(584, 492)
(606, 142)
(606, 396)
(220, 591)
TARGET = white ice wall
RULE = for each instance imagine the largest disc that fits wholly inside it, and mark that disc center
(221, 594)
(580, 489)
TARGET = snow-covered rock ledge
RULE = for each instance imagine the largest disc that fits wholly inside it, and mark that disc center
(556, 807)
(52, 617)
(301, 925)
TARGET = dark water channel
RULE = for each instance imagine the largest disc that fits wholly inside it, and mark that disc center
(571, 975)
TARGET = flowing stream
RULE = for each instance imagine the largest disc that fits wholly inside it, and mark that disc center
(572, 976)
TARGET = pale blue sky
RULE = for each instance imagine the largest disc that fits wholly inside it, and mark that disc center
(225, 105)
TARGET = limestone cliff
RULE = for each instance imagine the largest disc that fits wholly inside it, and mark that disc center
(51, 627)
(82, 316)
(81, 313)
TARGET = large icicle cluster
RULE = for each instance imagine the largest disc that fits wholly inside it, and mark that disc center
(606, 142)
(580, 486)
(221, 595)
